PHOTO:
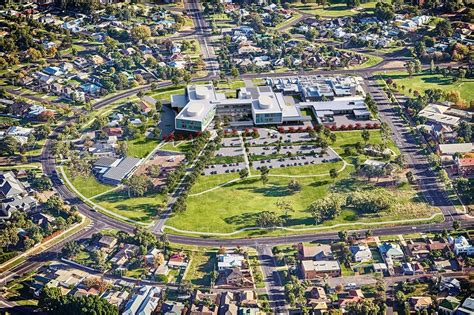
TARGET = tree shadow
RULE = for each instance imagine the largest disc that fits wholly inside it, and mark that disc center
(244, 219)
(273, 191)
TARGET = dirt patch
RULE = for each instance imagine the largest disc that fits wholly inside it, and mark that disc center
(167, 161)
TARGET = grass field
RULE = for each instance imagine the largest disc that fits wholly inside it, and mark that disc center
(141, 209)
(336, 9)
(423, 81)
(177, 146)
(87, 185)
(371, 61)
(141, 146)
(202, 264)
(236, 205)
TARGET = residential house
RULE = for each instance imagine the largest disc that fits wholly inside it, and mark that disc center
(126, 252)
(448, 150)
(465, 166)
(172, 308)
(314, 252)
(461, 246)
(144, 301)
(449, 286)
(13, 196)
(467, 307)
(205, 303)
(391, 250)
(312, 269)
(107, 243)
(419, 303)
(229, 261)
(361, 253)
(178, 260)
(21, 134)
(228, 304)
(236, 277)
(448, 306)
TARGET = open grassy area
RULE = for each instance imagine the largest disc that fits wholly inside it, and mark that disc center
(350, 138)
(141, 209)
(335, 8)
(164, 94)
(371, 61)
(89, 186)
(141, 146)
(236, 205)
(177, 146)
(426, 80)
(202, 264)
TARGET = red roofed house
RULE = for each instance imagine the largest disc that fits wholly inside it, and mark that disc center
(465, 166)
(114, 131)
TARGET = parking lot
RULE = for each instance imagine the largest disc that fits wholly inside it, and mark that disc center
(223, 168)
(285, 149)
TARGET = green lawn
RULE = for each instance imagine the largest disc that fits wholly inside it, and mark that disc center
(425, 80)
(141, 209)
(371, 61)
(141, 146)
(236, 205)
(336, 9)
(350, 138)
(87, 185)
(177, 146)
(164, 94)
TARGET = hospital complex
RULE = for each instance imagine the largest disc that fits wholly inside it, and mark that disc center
(282, 100)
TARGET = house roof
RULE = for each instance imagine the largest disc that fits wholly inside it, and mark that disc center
(465, 162)
(10, 186)
(314, 250)
(452, 148)
(122, 168)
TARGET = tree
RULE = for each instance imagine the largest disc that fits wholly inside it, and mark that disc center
(333, 173)
(70, 249)
(284, 206)
(140, 32)
(443, 29)
(417, 66)
(138, 185)
(456, 225)
(268, 219)
(444, 177)
(294, 186)
(9, 145)
(384, 11)
(342, 235)
(264, 174)
(365, 135)
(122, 148)
(244, 173)
(410, 68)
(49, 298)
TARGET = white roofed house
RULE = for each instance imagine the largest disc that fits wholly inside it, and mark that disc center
(144, 302)
(13, 196)
(361, 253)
(229, 261)
(448, 150)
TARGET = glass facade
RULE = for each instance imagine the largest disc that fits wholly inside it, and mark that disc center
(272, 118)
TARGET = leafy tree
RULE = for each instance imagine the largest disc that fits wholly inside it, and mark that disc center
(70, 249)
(365, 135)
(138, 185)
(268, 219)
(244, 173)
(333, 173)
(384, 11)
(443, 29)
(140, 32)
(294, 186)
(9, 145)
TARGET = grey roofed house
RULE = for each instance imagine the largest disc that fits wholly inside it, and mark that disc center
(113, 172)
(10, 186)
